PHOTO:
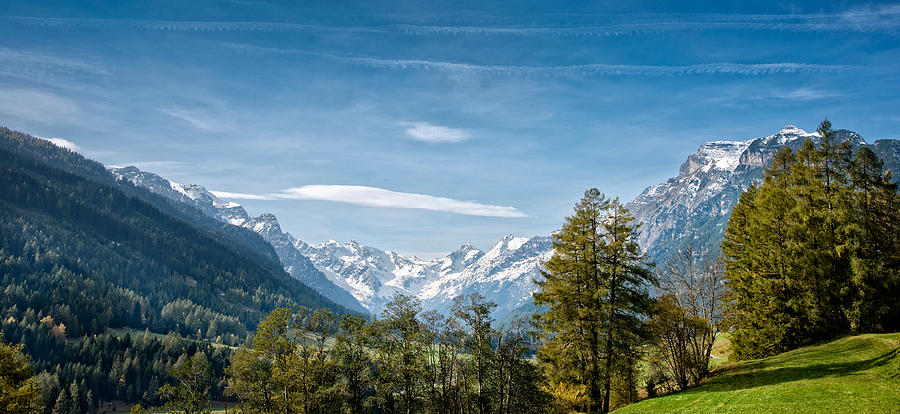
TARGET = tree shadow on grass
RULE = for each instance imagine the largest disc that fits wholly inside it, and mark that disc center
(760, 376)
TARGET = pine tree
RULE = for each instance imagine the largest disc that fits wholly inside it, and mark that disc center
(63, 403)
(759, 262)
(595, 288)
(77, 403)
(875, 247)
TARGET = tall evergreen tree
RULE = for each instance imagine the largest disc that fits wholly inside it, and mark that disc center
(595, 289)
(63, 404)
(875, 246)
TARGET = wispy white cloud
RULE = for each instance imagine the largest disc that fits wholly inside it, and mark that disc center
(35, 105)
(881, 18)
(435, 134)
(63, 143)
(606, 69)
(379, 197)
(743, 97)
(598, 69)
(183, 26)
(869, 18)
(802, 94)
(241, 196)
(198, 119)
(30, 64)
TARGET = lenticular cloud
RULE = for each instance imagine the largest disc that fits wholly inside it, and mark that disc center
(379, 197)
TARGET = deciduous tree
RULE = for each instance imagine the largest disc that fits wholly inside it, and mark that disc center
(18, 391)
(191, 395)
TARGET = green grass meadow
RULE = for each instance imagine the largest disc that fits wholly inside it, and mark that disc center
(855, 374)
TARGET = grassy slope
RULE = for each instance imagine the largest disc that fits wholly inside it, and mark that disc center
(855, 374)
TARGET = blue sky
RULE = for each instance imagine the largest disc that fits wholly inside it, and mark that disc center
(488, 119)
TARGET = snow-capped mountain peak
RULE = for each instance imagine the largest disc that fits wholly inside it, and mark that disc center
(718, 155)
(788, 133)
(791, 129)
(727, 155)
(504, 274)
(695, 205)
(192, 194)
(508, 242)
(266, 225)
(460, 258)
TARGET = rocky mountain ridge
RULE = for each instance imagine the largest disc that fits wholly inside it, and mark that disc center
(503, 274)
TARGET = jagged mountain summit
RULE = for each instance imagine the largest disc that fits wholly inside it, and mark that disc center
(503, 274)
(694, 206)
(194, 195)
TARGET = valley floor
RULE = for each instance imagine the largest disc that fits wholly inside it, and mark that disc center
(855, 374)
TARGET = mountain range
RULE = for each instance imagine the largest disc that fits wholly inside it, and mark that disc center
(365, 278)
(691, 207)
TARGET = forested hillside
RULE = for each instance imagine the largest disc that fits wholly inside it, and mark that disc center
(246, 242)
(66, 239)
(81, 255)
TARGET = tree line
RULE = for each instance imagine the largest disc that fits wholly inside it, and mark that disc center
(405, 361)
(82, 375)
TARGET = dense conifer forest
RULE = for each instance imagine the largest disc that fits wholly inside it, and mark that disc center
(83, 256)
